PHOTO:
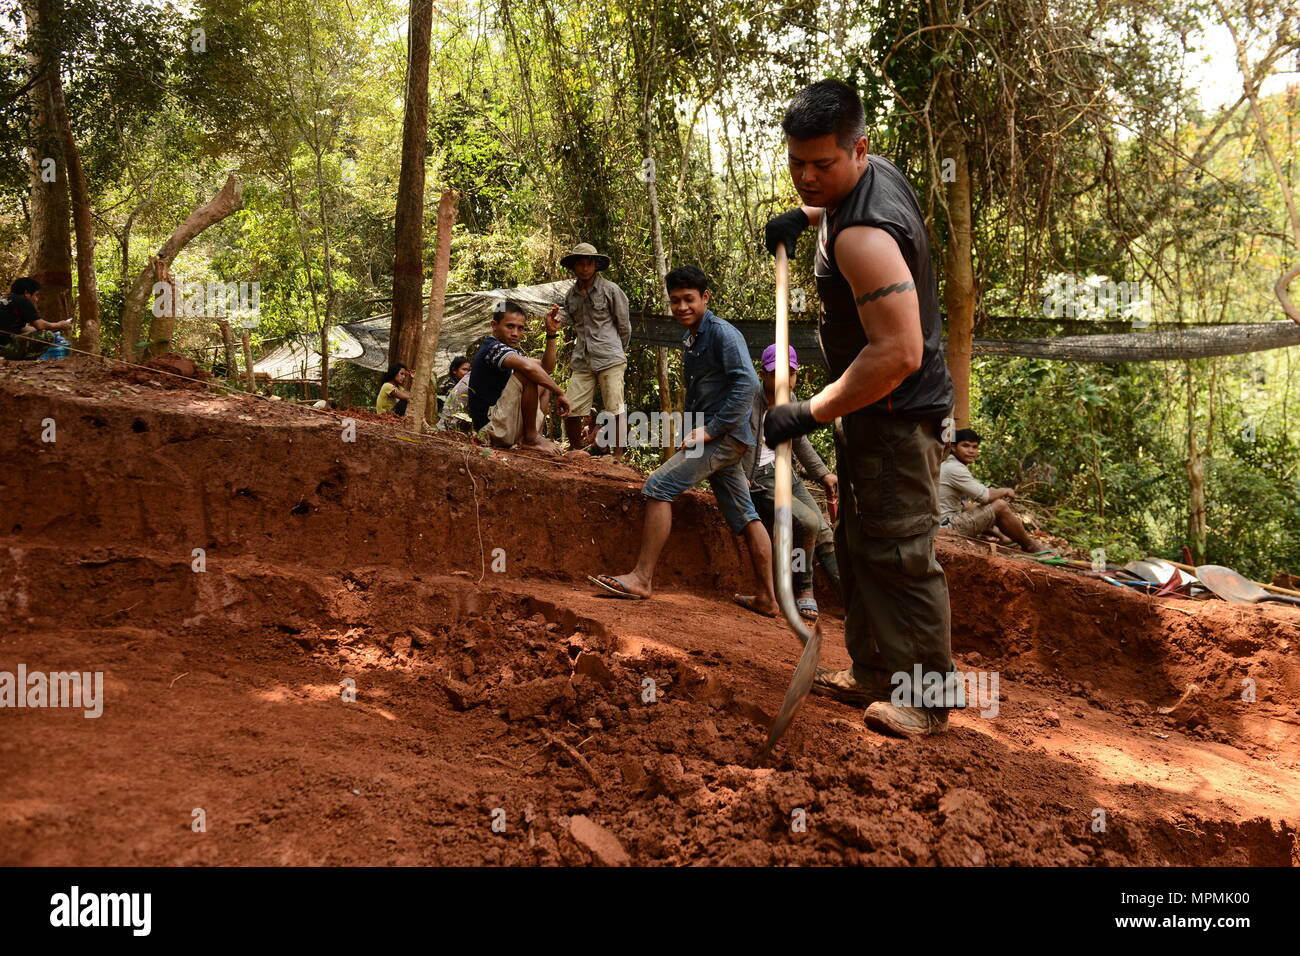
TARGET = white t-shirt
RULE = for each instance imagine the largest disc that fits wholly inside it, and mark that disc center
(765, 455)
(956, 486)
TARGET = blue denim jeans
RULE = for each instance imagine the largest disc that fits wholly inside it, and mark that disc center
(720, 463)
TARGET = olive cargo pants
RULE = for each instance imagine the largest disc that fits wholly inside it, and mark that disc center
(895, 594)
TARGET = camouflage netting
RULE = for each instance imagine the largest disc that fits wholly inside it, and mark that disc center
(1160, 345)
(468, 316)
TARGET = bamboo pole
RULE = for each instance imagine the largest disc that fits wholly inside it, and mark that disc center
(248, 360)
(420, 392)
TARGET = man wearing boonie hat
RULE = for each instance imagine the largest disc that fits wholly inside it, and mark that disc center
(602, 326)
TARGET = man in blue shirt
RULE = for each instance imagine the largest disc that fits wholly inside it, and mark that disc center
(720, 387)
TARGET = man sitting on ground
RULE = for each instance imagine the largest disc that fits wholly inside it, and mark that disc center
(805, 516)
(720, 386)
(989, 508)
(505, 383)
(23, 333)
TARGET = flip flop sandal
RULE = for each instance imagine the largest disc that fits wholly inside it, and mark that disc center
(1049, 556)
(748, 604)
(808, 609)
(611, 585)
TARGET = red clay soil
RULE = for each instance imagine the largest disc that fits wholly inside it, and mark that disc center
(593, 730)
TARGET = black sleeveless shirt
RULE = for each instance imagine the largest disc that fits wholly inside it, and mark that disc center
(883, 198)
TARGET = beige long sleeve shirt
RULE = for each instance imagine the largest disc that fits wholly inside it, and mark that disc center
(601, 324)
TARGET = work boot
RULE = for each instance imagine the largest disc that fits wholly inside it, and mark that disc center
(847, 689)
(905, 721)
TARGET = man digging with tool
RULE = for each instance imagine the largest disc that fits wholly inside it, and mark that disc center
(889, 393)
(720, 386)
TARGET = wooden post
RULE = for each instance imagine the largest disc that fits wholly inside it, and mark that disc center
(661, 267)
(228, 342)
(420, 392)
(248, 360)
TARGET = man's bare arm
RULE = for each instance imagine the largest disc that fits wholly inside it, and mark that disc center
(553, 323)
(890, 312)
(532, 369)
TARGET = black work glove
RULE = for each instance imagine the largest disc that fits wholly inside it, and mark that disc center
(785, 228)
(788, 421)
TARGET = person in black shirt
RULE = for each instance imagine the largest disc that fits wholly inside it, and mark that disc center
(21, 327)
(889, 394)
(458, 370)
(505, 384)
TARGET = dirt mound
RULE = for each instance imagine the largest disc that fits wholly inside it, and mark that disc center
(169, 370)
(309, 639)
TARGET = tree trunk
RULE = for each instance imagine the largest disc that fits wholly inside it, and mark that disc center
(248, 361)
(959, 275)
(228, 340)
(408, 271)
(418, 407)
(229, 200)
(1251, 90)
(1196, 530)
(661, 267)
(163, 327)
(330, 302)
(87, 287)
(50, 239)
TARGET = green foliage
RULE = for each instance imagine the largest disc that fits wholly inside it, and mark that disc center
(1104, 446)
(543, 114)
(1255, 513)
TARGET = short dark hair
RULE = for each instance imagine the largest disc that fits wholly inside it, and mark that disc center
(830, 106)
(687, 277)
(391, 374)
(458, 361)
(967, 434)
(24, 286)
(509, 305)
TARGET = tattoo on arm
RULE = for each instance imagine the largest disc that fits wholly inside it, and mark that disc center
(885, 290)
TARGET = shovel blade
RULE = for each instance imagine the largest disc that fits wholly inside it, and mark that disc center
(800, 684)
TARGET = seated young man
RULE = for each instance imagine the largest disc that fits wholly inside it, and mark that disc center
(989, 507)
(720, 386)
(504, 383)
(23, 333)
(806, 520)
